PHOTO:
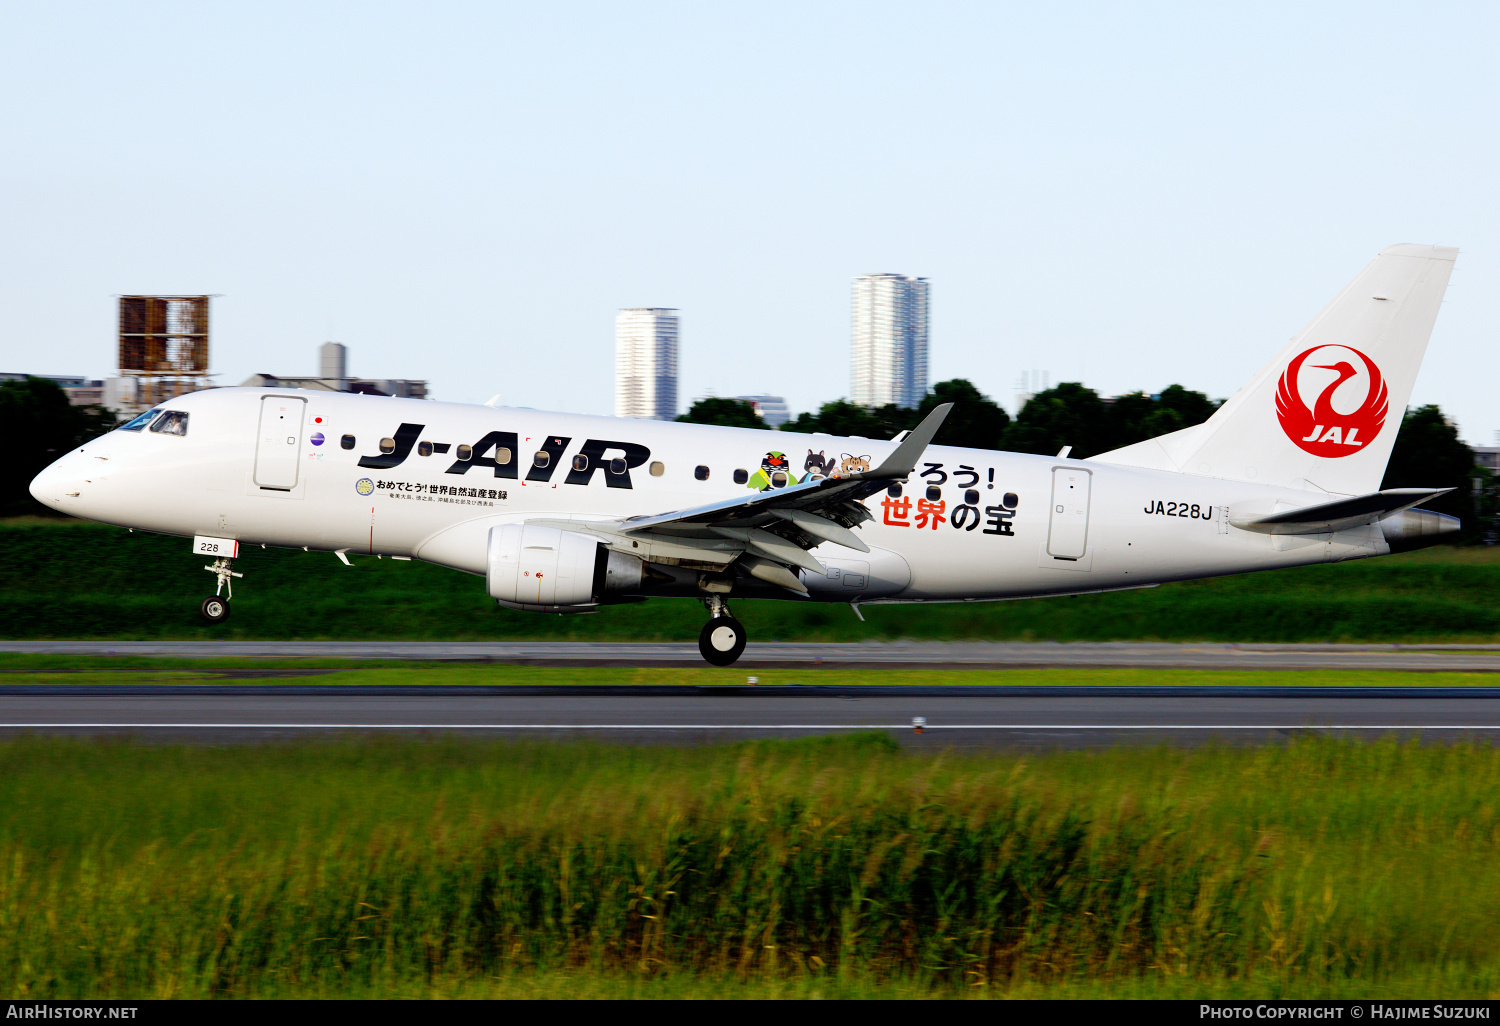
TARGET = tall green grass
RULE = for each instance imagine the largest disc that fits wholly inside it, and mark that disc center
(1320, 867)
(76, 580)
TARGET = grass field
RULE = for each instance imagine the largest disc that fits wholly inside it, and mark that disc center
(822, 867)
(76, 580)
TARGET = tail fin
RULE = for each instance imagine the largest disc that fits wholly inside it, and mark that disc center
(1323, 414)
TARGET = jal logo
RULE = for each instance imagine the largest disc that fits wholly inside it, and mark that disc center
(1351, 404)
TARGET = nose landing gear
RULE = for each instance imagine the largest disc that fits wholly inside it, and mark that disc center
(722, 639)
(215, 609)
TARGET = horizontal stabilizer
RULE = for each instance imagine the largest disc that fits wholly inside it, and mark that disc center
(1339, 515)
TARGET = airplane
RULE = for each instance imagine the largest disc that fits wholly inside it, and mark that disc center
(565, 513)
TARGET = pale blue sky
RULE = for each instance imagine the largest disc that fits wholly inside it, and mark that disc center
(1126, 195)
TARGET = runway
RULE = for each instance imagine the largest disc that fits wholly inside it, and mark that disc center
(700, 716)
(955, 715)
(969, 655)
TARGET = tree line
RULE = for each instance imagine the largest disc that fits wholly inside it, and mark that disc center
(39, 425)
(1427, 452)
(1069, 414)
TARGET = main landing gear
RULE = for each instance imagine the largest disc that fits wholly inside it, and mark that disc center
(722, 639)
(215, 608)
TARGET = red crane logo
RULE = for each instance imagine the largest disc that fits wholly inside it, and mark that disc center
(1323, 430)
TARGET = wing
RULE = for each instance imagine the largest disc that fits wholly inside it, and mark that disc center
(767, 532)
(826, 497)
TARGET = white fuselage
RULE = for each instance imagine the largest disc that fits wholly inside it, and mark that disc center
(1074, 525)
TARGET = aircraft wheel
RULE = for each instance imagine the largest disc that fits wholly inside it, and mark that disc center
(722, 640)
(215, 609)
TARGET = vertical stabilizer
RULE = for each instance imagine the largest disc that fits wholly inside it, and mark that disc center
(1324, 413)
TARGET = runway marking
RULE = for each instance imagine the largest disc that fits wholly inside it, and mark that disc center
(773, 726)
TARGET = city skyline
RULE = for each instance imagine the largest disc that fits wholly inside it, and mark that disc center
(468, 193)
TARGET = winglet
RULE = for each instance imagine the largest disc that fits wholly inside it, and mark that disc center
(904, 460)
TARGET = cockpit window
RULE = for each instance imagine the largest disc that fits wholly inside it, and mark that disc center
(141, 421)
(173, 422)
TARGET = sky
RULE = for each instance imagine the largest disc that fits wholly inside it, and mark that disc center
(1126, 195)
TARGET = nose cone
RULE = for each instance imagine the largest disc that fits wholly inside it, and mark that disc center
(60, 482)
(44, 486)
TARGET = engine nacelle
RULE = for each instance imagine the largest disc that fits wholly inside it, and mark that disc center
(549, 570)
(1418, 528)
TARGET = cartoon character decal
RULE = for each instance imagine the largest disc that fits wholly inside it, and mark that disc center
(775, 472)
(818, 464)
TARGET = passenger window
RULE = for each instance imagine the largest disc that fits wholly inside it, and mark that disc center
(972, 496)
(618, 466)
(387, 445)
(934, 493)
(741, 476)
(465, 452)
(173, 422)
(502, 456)
(580, 462)
(894, 491)
(424, 448)
(778, 479)
(542, 458)
(347, 441)
(658, 468)
(141, 421)
(701, 473)
(1010, 500)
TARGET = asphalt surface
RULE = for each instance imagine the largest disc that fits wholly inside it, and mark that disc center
(955, 716)
(700, 715)
(769, 655)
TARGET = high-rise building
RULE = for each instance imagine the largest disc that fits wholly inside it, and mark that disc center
(890, 340)
(333, 364)
(646, 363)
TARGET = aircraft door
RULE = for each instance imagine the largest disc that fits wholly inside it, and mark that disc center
(1068, 535)
(278, 442)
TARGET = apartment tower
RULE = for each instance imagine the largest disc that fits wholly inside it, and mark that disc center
(889, 362)
(646, 363)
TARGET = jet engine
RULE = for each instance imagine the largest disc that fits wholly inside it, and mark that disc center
(1417, 528)
(549, 570)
